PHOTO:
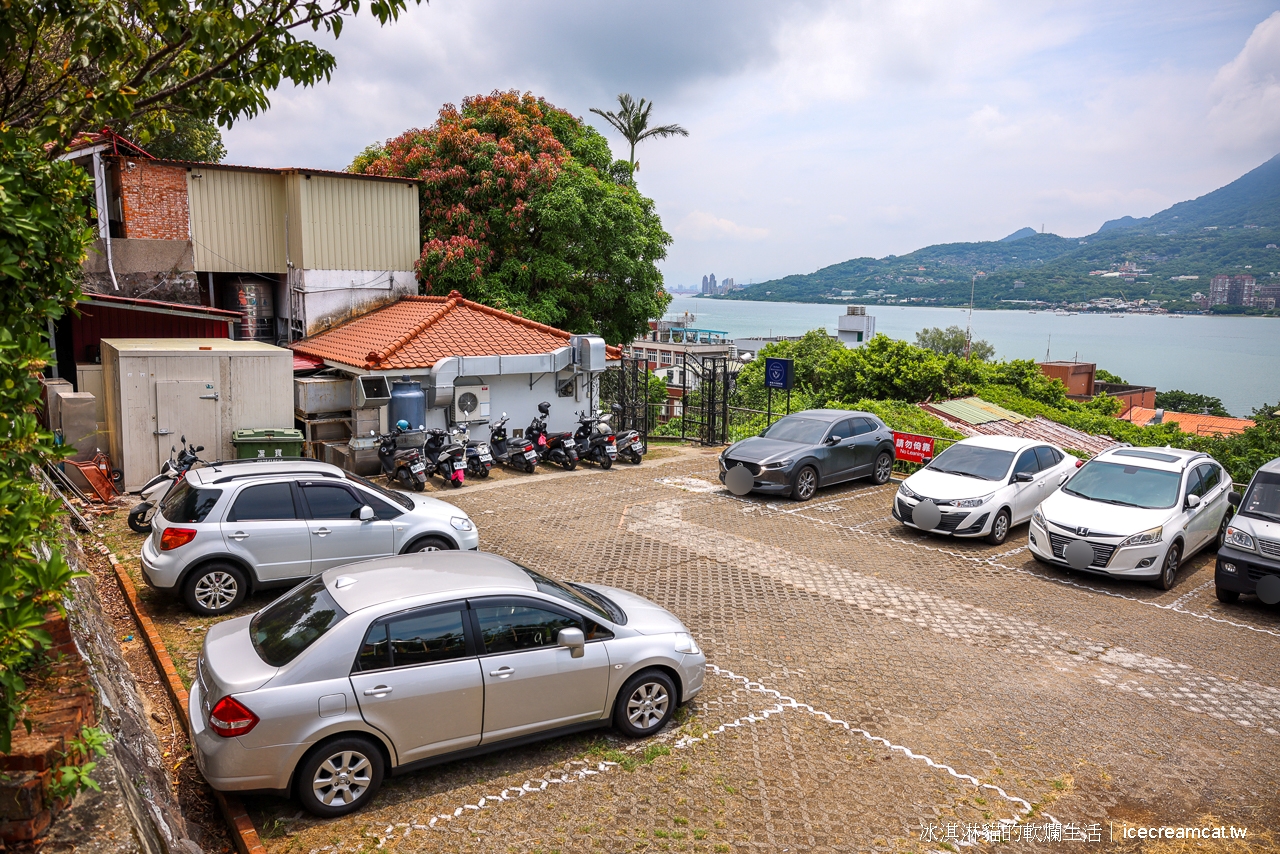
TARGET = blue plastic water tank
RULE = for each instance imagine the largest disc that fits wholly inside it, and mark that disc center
(409, 402)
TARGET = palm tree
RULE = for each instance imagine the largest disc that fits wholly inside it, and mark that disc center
(632, 121)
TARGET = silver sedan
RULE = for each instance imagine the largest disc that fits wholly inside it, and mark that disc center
(396, 664)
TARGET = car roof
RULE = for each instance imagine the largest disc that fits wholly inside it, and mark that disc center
(1003, 443)
(832, 414)
(265, 468)
(443, 574)
(1167, 458)
(1272, 467)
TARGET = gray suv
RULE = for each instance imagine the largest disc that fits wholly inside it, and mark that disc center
(230, 528)
(400, 663)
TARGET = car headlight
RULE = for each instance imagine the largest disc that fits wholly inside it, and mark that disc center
(906, 490)
(973, 502)
(780, 464)
(1037, 516)
(1239, 539)
(462, 523)
(1146, 538)
(686, 643)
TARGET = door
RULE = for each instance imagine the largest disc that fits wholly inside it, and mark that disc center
(839, 459)
(338, 534)
(532, 683)
(418, 681)
(865, 445)
(1026, 495)
(264, 528)
(190, 408)
(1202, 522)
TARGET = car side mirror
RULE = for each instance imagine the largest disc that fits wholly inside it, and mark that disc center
(1233, 498)
(832, 440)
(1193, 501)
(572, 640)
(1024, 477)
(367, 514)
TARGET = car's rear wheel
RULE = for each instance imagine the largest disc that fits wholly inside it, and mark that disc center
(215, 588)
(805, 484)
(429, 544)
(883, 469)
(1227, 597)
(341, 777)
(999, 528)
(1169, 569)
(645, 704)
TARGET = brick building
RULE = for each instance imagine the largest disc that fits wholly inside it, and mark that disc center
(1232, 290)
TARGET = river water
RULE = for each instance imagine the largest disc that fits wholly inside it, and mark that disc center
(1236, 359)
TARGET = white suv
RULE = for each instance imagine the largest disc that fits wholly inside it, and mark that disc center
(230, 528)
(1134, 513)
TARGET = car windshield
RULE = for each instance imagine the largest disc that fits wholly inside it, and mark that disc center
(1126, 485)
(400, 498)
(284, 629)
(973, 461)
(186, 503)
(803, 431)
(1263, 497)
(573, 596)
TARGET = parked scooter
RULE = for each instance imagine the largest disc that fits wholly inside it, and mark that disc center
(479, 457)
(518, 453)
(154, 490)
(558, 448)
(594, 440)
(630, 446)
(400, 464)
(448, 456)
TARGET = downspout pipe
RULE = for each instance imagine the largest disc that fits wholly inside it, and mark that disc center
(104, 221)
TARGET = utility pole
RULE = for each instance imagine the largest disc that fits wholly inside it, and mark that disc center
(968, 332)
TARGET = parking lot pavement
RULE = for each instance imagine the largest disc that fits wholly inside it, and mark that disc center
(869, 683)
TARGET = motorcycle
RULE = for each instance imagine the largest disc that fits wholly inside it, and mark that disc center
(559, 448)
(594, 441)
(630, 446)
(479, 455)
(519, 453)
(401, 460)
(448, 457)
(154, 490)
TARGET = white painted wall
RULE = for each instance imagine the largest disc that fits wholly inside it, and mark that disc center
(325, 298)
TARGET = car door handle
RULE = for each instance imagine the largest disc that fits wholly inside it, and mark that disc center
(320, 532)
(239, 535)
(377, 691)
(501, 672)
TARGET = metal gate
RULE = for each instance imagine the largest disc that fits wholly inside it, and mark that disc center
(697, 404)
(626, 387)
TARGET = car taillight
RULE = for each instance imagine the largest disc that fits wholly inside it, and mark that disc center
(172, 538)
(230, 718)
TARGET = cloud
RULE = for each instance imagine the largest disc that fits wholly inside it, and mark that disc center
(700, 225)
(1246, 91)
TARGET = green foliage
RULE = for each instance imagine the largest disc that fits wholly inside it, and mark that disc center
(1266, 412)
(43, 238)
(183, 137)
(1102, 375)
(632, 121)
(655, 390)
(1186, 401)
(522, 210)
(75, 775)
(70, 67)
(950, 341)
(901, 416)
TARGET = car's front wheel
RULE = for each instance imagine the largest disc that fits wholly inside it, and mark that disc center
(645, 704)
(341, 777)
(1169, 569)
(883, 468)
(999, 529)
(1221, 539)
(1227, 597)
(805, 484)
(215, 589)
(429, 544)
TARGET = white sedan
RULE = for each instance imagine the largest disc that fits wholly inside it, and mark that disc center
(982, 486)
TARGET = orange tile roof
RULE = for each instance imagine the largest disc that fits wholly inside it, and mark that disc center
(418, 331)
(1199, 425)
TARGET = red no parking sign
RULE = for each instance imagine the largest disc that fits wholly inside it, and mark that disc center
(912, 448)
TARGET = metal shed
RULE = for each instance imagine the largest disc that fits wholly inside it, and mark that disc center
(158, 389)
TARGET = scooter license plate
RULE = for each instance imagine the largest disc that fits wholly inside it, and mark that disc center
(459, 466)
(486, 458)
(635, 443)
(418, 468)
(530, 455)
(568, 443)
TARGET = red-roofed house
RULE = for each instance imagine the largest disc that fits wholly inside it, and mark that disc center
(450, 342)
(1189, 422)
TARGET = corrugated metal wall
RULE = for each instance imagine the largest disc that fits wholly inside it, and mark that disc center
(237, 220)
(96, 322)
(353, 224)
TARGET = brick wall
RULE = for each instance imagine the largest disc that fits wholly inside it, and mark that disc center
(153, 199)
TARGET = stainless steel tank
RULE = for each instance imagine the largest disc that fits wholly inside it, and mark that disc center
(256, 300)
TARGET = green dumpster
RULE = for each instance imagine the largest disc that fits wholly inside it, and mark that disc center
(267, 442)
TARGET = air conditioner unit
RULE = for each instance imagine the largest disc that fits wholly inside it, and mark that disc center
(470, 403)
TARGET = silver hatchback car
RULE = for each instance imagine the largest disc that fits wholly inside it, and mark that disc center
(228, 528)
(392, 665)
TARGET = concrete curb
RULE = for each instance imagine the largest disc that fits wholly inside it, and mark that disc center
(243, 834)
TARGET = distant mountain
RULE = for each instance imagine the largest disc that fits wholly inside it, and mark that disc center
(1020, 233)
(1178, 250)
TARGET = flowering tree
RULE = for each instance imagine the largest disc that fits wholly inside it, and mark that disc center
(520, 210)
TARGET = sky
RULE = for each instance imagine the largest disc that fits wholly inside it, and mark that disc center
(824, 131)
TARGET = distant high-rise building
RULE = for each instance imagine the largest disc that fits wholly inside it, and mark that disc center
(706, 285)
(1232, 290)
(712, 279)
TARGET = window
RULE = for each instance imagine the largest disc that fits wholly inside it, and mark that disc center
(511, 628)
(859, 334)
(664, 357)
(1210, 476)
(1126, 485)
(284, 629)
(1027, 463)
(862, 426)
(414, 639)
(1195, 485)
(568, 594)
(262, 503)
(328, 501)
(844, 429)
(397, 497)
(973, 460)
(1048, 457)
(186, 503)
(793, 428)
